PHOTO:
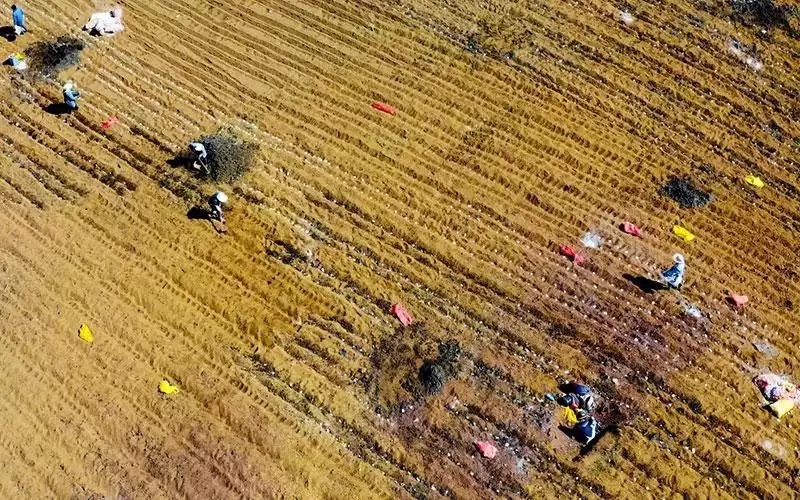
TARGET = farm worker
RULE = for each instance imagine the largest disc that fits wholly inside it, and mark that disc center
(18, 16)
(200, 155)
(674, 275)
(71, 96)
(585, 431)
(216, 201)
(579, 399)
(17, 61)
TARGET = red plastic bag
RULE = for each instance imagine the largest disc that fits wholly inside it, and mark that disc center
(631, 229)
(401, 313)
(381, 106)
(737, 300)
(571, 254)
(110, 122)
(486, 448)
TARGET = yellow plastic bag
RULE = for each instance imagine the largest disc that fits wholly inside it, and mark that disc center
(754, 181)
(569, 415)
(683, 233)
(167, 388)
(781, 407)
(85, 334)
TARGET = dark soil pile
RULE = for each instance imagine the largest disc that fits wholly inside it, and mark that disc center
(435, 373)
(48, 59)
(682, 190)
(765, 13)
(229, 156)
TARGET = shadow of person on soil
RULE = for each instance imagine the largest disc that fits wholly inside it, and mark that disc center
(198, 213)
(645, 284)
(57, 109)
(179, 161)
(8, 33)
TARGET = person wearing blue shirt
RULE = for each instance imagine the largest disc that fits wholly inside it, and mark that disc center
(71, 96)
(18, 16)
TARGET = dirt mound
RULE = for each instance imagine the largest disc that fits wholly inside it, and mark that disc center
(230, 154)
(48, 59)
(682, 190)
(765, 13)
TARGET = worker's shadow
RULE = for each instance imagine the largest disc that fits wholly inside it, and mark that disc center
(645, 284)
(186, 163)
(198, 213)
(8, 33)
(57, 109)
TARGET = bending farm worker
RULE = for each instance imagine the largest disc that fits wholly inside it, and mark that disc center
(71, 96)
(200, 155)
(674, 275)
(17, 61)
(18, 17)
(579, 399)
(215, 202)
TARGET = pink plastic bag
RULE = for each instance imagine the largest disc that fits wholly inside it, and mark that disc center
(381, 106)
(631, 229)
(110, 122)
(737, 300)
(486, 448)
(401, 313)
(571, 254)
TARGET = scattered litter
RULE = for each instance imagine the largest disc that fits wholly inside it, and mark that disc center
(754, 181)
(110, 122)
(631, 229)
(779, 392)
(765, 348)
(455, 404)
(591, 240)
(745, 54)
(737, 300)
(405, 318)
(167, 388)
(85, 334)
(774, 448)
(105, 23)
(682, 190)
(550, 396)
(692, 310)
(486, 448)
(627, 18)
(381, 106)
(571, 254)
(683, 233)
(569, 416)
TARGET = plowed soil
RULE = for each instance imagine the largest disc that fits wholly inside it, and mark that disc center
(519, 126)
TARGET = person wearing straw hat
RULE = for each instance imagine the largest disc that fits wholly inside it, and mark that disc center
(215, 202)
(673, 276)
(71, 96)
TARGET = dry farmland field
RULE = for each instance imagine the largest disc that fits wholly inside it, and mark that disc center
(520, 125)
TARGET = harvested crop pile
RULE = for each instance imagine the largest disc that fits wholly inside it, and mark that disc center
(434, 374)
(230, 154)
(766, 13)
(682, 190)
(48, 59)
